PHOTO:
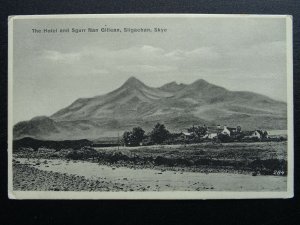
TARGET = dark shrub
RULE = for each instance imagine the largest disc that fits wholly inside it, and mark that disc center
(159, 133)
(134, 137)
(74, 155)
(225, 138)
(268, 166)
(84, 153)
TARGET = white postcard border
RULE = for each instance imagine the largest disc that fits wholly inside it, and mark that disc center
(153, 195)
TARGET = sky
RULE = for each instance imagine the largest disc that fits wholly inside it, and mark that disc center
(52, 70)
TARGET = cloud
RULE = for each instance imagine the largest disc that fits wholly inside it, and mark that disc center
(200, 53)
(56, 56)
(149, 59)
(146, 68)
(99, 71)
(262, 59)
(204, 52)
(152, 50)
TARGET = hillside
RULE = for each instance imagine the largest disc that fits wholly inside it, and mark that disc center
(176, 105)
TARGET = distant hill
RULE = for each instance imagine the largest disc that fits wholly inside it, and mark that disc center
(178, 106)
(28, 142)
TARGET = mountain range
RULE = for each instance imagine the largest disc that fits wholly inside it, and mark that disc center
(178, 106)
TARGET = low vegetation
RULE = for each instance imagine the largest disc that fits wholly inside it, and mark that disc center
(261, 158)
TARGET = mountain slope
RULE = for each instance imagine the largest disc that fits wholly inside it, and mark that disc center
(177, 105)
(122, 102)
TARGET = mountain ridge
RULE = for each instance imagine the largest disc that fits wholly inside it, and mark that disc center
(136, 104)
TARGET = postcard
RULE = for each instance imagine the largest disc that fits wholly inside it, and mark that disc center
(150, 106)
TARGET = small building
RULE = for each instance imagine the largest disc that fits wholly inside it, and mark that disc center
(226, 131)
(212, 135)
(253, 135)
(187, 135)
(212, 132)
(230, 131)
(265, 134)
(256, 134)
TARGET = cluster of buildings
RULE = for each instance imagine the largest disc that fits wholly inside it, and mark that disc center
(214, 132)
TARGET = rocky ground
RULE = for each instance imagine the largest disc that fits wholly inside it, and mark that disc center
(64, 175)
(201, 167)
(26, 178)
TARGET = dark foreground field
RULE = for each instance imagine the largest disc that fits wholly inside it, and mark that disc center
(265, 158)
(206, 166)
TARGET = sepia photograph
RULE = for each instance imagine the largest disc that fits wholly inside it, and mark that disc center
(140, 106)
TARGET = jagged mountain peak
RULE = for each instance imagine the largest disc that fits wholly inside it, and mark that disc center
(172, 86)
(201, 85)
(133, 82)
(132, 79)
(136, 87)
(172, 83)
(201, 82)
